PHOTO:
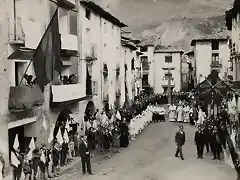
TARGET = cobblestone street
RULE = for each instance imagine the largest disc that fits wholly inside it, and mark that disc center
(151, 157)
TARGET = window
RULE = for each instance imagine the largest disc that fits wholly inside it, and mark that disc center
(145, 65)
(88, 14)
(144, 49)
(145, 79)
(215, 45)
(73, 23)
(168, 59)
(166, 75)
(215, 58)
(133, 67)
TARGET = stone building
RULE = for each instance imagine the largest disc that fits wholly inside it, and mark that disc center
(165, 59)
(211, 52)
(90, 49)
(232, 22)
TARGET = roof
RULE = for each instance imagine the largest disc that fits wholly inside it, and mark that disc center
(101, 12)
(146, 41)
(167, 50)
(222, 36)
(129, 44)
(229, 14)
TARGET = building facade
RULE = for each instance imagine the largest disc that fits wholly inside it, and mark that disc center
(232, 22)
(189, 56)
(211, 52)
(167, 64)
(147, 60)
(90, 38)
(132, 67)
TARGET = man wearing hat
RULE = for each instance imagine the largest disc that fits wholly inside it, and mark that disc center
(85, 154)
(180, 141)
(199, 141)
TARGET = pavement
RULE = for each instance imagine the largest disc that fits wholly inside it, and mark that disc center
(151, 157)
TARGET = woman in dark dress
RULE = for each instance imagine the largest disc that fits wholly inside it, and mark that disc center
(91, 139)
(124, 140)
(116, 138)
(107, 143)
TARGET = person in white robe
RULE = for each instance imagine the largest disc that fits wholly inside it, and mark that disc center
(104, 120)
(180, 113)
(201, 117)
(172, 113)
(186, 110)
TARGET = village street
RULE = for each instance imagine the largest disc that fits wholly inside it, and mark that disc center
(151, 157)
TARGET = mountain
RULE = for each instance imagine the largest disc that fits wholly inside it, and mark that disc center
(179, 32)
(175, 22)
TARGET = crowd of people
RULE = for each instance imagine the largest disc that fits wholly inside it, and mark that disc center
(103, 133)
(212, 130)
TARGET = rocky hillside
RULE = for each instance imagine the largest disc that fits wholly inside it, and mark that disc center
(179, 32)
(170, 22)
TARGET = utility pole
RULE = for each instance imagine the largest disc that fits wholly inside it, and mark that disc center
(169, 74)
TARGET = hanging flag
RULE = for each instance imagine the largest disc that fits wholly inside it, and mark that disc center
(43, 158)
(44, 123)
(16, 142)
(47, 56)
(31, 147)
(67, 127)
(14, 159)
(118, 115)
(59, 137)
(50, 137)
(65, 136)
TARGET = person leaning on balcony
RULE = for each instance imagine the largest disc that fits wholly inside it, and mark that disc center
(24, 80)
(72, 79)
(65, 80)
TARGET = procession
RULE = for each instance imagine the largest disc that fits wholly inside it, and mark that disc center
(89, 95)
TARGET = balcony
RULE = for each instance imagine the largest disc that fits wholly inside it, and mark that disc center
(22, 98)
(165, 83)
(216, 64)
(69, 42)
(15, 31)
(64, 93)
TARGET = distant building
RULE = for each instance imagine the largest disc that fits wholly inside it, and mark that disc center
(165, 58)
(191, 75)
(147, 60)
(233, 24)
(211, 52)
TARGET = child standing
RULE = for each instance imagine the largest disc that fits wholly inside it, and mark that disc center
(27, 170)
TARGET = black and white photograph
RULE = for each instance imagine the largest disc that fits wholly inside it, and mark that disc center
(120, 89)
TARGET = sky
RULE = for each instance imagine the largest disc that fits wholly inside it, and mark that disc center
(140, 14)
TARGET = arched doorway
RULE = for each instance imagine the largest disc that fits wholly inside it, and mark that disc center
(90, 109)
(62, 119)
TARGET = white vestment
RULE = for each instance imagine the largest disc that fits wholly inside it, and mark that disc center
(180, 114)
(172, 113)
(186, 114)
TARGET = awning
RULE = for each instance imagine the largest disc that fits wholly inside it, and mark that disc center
(67, 63)
(22, 54)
